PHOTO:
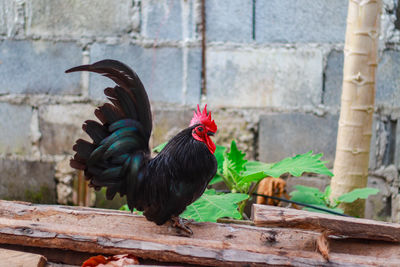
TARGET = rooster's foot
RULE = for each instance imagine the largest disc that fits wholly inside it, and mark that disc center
(181, 224)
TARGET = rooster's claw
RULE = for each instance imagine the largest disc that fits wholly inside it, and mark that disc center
(180, 223)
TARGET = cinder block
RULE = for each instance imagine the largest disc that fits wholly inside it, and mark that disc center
(378, 207)
(3, 17)
(228, 20)
(375, 152)
(27, 181)
(287, 21)
(388, 80)
(333, 80)
(397, 146)
(238, 125)
(37, 67)
(264, 77)
(162, 19)
(79, 18)
(285, 135)
(8, 14)
(15, 121)
(61, 125)
(168, 122)
(383, 149)
(192, 79)
(160, 69)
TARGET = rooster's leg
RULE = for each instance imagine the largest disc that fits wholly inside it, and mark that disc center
(180, 223)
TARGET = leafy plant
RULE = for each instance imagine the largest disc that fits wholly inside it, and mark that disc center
(362, 193)
(296, 166)
(212, 206)
(233, 167)
(243, 176)
(311, 195)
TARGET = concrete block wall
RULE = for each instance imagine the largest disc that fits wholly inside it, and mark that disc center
(272, 75)
(42, 108)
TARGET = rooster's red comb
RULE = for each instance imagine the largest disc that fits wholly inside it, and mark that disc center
(203, 118)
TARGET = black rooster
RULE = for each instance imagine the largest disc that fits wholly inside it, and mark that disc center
(119, 156)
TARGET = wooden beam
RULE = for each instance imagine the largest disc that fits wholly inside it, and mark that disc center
(265, 215)
(115, 232)
(17, 258)
(74, 258)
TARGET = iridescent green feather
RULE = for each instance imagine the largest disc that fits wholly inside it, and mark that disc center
(122, 146)
(131, 178)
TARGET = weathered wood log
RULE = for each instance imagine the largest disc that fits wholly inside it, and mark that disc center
(264, 215)
(116, 232)
(23, 259)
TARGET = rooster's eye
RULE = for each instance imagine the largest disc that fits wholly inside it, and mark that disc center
(200, 129)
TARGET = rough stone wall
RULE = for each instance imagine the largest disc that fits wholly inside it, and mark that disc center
(273, 75)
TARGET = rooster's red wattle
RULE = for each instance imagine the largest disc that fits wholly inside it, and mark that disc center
(119, 155)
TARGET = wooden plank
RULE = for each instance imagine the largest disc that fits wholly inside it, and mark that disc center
(116, 232)
(22, 259)
(265, 215)
(74, 258)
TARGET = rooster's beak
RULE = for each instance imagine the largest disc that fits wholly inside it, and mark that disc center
(210, 134)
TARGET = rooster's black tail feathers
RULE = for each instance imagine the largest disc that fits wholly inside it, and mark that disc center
(120, 148)
(130, 95)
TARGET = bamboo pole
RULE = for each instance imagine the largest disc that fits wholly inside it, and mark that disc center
(357, 103)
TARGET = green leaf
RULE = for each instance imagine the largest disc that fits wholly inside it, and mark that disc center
(233, 167)
(325, 207)
(126, 208)
(362, 193)
(296, 166)
(217, 179)
(307, 197)
(210, 192)
(328, 191)
(236, 158)
(253, 177)
(219, 155)
(160, 147)
(229, 172)
(253, 167)
(309, 189)
(299, 164)
(210, 206)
